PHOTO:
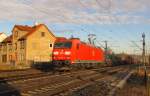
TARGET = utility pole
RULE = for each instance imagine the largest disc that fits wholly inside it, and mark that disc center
(143, 52)
(149, 60)
(143, 56)
(106, 50)
(140, 49)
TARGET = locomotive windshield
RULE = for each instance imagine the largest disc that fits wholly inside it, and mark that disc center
(63, 45)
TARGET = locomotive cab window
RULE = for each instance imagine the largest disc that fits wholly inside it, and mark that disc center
(63, 45)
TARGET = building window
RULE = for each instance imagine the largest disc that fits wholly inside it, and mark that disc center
(4, 47)
(22, 44)
(16, 56)
(10, 47)
(0, 48)
(16, 33)
(10, 57)
(51, 45)
(4, 58)
(42, 34)
(15, 46)
(22, 57)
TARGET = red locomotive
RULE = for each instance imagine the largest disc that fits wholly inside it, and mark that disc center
(75, 52)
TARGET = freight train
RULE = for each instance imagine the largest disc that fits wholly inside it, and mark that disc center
(73, 52)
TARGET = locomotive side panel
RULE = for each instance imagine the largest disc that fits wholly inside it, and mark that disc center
(78, 52)
(87, 54)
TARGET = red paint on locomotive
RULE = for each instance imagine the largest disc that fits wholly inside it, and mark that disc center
(75, 51)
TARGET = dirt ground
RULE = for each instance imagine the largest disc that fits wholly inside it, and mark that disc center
(135, 87)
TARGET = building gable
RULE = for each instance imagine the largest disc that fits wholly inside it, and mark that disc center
(19, 31)
(39, 28)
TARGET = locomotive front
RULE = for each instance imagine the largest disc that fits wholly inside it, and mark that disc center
(62, 53)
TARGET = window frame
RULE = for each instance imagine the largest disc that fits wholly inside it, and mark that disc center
(10, 46)
(50, 45)
(16, 34)
(42, 34)
(22, 44)
(16, 46)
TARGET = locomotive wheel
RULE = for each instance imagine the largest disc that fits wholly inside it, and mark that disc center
(75, 66)
(87, 65)
(82, 66)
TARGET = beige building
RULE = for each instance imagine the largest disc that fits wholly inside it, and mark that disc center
(28, 44)
(2, 36)
(6, 50)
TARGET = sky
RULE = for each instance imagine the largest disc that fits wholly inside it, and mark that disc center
(120, 22)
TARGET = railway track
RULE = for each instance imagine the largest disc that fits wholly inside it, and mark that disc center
(64, 88)
(23, 77)
(15, 73)
(107, 85)
(8, 76)
(62, 84)
(30, 84)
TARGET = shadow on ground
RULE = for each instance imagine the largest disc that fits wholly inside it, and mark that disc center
(44, 66)
(7, 89)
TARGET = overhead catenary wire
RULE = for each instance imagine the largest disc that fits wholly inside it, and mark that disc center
(42, 10)
(82, 4)
(45, 10)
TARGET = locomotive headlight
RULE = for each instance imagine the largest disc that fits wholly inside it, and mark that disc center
(67, 52)
(55, 53)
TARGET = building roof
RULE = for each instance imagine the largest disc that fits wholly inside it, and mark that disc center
(2, 33)
(24, 28)
(2, 36)
(31, 30)
(8, 39)
(60, 39)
